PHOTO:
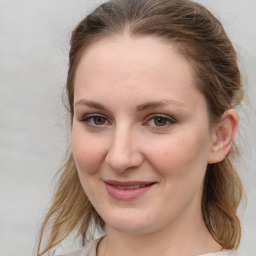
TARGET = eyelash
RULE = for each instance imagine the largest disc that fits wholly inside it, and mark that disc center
(86, 119)
(170, 121)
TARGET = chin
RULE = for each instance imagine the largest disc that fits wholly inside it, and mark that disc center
(129, 228)
(131, 223)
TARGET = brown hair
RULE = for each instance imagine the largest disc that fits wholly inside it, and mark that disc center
(201, 38)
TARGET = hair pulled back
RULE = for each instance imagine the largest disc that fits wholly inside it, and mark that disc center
(200, 37)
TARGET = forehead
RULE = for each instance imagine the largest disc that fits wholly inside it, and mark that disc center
(139, 50)
(141, 65)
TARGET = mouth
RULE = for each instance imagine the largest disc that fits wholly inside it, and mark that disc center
(129, 187)
(127, 190)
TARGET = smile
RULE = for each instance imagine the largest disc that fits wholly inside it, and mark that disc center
(127, 190)
(129, 187)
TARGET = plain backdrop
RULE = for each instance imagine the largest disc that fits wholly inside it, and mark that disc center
(34, 44)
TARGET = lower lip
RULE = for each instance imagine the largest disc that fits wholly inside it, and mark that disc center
(127, 194)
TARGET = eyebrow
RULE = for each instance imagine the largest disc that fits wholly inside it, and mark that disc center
(90, 103)
(156, 104)
(139, 108)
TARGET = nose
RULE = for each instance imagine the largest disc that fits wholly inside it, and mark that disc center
(123, 153)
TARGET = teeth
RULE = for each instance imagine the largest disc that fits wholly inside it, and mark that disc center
(129, 187)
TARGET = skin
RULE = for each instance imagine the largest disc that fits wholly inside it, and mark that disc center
(118, 80)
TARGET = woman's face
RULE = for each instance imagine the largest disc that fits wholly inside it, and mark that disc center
(140, 135)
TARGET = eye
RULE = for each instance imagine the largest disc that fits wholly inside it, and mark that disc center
(95, 120)
(160, 120)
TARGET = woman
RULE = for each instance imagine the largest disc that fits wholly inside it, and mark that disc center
(152, 89)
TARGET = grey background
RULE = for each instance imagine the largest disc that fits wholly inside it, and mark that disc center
(34, 46)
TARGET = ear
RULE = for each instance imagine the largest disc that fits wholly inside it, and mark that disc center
(223, 136)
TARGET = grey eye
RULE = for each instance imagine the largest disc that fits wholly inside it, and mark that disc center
(95, 120)
(160, 121)
(98, 120)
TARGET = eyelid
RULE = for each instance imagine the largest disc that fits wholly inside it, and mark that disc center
(162, 115)
(167, 117)
(85, 119)
(170, 120)
(91, 115)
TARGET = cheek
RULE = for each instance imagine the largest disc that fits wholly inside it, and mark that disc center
(183, 155)
(88, 153)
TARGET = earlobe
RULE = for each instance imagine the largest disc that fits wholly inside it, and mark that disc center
(223, 136)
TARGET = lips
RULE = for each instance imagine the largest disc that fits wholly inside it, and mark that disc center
(129, 187)
(127, 190)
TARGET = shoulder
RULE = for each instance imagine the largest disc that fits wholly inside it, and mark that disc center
(76, 253)
(225, 253)
(89, 250)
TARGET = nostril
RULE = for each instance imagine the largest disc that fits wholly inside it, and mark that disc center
(122, 162)
(123, 153)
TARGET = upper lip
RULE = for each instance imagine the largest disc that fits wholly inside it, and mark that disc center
(128, 183)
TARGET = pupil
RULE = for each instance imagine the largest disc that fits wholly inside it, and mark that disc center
(99, 120)
(159, 121)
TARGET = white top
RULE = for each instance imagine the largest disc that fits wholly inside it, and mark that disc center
(91, 248)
